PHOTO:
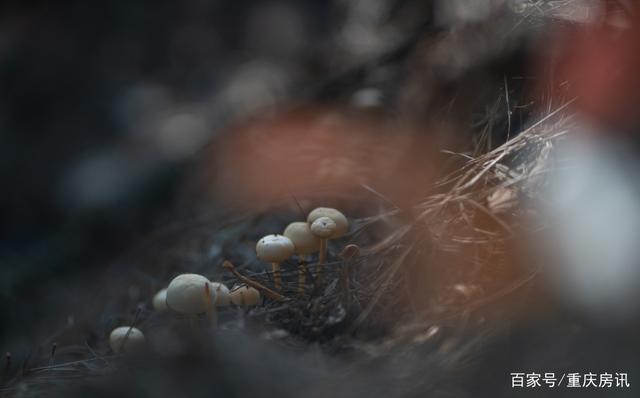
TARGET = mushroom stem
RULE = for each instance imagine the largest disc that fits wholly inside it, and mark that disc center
(322, 258)
(276, 275)
(302, 271)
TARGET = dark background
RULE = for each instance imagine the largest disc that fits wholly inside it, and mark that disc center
(95, 97)
(73, 105)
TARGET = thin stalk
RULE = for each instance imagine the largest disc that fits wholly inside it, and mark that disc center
(276, 275)
(322, 259)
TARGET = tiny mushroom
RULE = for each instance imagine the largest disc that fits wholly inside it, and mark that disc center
(245, 296)
(323, 228)
(275, 249)
(341, 226)
(341, 221)
(222, 294)
(159, 301)
(191, 294)
(305, 242)
(126, 338)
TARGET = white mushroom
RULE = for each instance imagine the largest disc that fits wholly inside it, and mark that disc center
(126, 338)
(305, 242)
(222, 294)
(187, 294)
(211, 297)
(275, 249)
(245, 296)
(342, 224)
(325, 230)
(159, 301)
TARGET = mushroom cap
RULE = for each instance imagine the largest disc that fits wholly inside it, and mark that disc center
(186, 294)
(341, 221)
(274, 248)
(117, 338)
(159, 301)
(324, 227)
(245, 296)
(303, 239)
(222, 294)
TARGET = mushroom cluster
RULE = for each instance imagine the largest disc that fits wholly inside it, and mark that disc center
(187, 294)
(303, 238)
(193, 295)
